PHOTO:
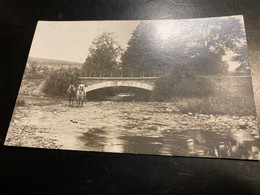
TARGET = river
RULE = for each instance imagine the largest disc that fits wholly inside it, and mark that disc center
(133, 127)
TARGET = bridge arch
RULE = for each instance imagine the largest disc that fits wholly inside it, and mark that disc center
(122, 83)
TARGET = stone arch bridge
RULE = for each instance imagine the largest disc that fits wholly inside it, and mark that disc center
(93, 83)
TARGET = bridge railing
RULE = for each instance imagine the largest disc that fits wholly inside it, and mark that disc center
(123, 73)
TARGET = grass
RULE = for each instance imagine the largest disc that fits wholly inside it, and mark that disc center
(240, 106)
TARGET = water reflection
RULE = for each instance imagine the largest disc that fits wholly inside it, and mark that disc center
(94, 138)
(188, 142)
(166, 133)
(101, 139)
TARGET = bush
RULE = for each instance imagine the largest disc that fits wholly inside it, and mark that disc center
(59, 80)
(34, 70)
(181, 82)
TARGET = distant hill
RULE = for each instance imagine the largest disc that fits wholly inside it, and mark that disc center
(51, 63)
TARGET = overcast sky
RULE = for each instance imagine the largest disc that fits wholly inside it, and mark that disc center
(71, 40)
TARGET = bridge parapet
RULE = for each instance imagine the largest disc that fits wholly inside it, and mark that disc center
(126, 72)
(93, 83)
(117, 78)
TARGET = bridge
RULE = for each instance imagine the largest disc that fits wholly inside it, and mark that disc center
(94, 83)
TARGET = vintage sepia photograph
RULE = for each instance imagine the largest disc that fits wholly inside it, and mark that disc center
(157, 87)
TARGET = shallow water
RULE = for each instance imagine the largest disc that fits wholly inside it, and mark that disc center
(141, 127)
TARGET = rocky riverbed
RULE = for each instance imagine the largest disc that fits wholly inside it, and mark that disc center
(132, 127)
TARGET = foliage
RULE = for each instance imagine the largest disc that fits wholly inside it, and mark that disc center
(197, 43)
(181, 82)
(209, 63)
(240, 106)
(104, 53)
(184, 49)
(34, 70)
(143, 52)
(59, 80)
(242, 58)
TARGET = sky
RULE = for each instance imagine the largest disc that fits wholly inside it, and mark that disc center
(70, 41)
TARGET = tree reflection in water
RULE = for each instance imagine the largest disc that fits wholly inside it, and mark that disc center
(149, 128)
(187, 142)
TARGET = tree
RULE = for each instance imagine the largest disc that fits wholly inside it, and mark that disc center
(213, 39)
(199, 43)
(146, 52)
(242, 58)
(104, 54)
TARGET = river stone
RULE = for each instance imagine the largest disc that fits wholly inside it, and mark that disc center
(241, 122)
(200, 152)
(189, 140)
(152, 128)
(184, 123)
(235, 117)
(254, 133)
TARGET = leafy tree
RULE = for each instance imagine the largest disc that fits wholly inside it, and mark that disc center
(104, 54)
(197, 43)
(218, 34)
(213, 39)
(242, 58)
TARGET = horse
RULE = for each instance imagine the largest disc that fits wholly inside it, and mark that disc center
(82, 86)
(71, 92)
(80, 95)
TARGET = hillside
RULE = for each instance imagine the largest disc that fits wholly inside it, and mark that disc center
(32, 87)
(54, 63)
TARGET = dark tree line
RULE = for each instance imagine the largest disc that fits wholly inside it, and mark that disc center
(199, 44)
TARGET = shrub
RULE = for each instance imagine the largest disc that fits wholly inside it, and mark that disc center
(34, 70)
(59, 80)
(181, 82)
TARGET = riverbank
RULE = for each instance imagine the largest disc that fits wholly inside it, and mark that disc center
(216, 105)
